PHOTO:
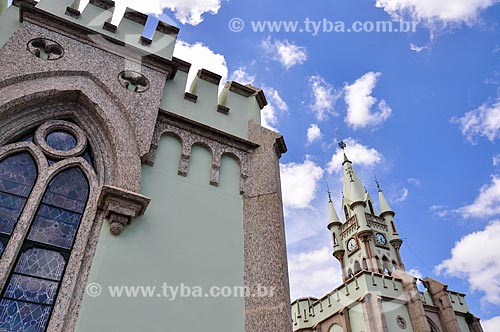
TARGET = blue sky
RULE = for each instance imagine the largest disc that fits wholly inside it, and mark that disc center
(419, 109)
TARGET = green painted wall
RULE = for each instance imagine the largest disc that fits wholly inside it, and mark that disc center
(464, 327)
(336, 328)
(391, 311)
(9, 23)
(357, 318)
(192, 233)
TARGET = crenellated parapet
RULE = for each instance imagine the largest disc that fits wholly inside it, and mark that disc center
(203, 100)
(311, 313)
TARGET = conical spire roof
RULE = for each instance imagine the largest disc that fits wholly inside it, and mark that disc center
(353, 188)
(384, 205)
(333, 216)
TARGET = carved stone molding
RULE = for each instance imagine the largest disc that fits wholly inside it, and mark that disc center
(191, 133)
(121, 207)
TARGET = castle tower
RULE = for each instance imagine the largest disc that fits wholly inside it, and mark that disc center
(377, 294)
(115, 173)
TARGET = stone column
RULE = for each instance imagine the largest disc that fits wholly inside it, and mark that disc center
(439, 293)
(373, 313)
(264, 236)
(414, 305)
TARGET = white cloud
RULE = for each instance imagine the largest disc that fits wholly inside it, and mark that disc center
(483, 121)
(299, 183)
(415, 181)
(443, 12)
(486, 204)
(418, 49)
(201, 56)
(323, 97)
(313, 133)
(403, 196)
(491, 325)
(269, 118)
(241, 76)
(359, 154)
(496, 160)
(186, 11)
(475, 258)
(360, 102)
(313, 273)
(287, 53)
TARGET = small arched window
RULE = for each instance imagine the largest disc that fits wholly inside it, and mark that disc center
(394, 265)
(357, 267)
(346, 212)
(386, 266)
(349, 274)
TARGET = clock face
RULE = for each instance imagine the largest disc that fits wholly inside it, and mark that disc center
(352, 244)
(381, 239)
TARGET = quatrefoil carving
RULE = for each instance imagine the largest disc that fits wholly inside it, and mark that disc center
(45, 49)
(133, 81)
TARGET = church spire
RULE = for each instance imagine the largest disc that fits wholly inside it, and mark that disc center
(384, 205)
(333, 216)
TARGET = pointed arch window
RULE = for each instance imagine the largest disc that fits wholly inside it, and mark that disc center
(346, 212)
(18, 174)
(50, 228)
(32, 288)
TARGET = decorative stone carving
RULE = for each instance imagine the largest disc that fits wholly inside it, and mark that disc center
(45, 49)
(190, 134)
(133, 81)
(121, 206)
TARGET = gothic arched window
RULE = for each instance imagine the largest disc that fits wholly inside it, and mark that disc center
(357, 267)
(386, 266)
(30, 292)
(18, 174)
(346, 212)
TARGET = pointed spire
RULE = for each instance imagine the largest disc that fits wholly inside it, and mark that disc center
(333, 216)
(354, 191)
(384, 205)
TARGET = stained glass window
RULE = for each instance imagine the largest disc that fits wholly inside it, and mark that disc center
(61, 140)
(32, 288)
(17, 177)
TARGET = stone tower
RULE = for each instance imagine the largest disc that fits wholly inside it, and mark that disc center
(114, 172)
(377, 295)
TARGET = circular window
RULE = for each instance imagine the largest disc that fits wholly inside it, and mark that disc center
(61, 140)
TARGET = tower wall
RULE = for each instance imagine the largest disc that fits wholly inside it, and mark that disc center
(189, 182)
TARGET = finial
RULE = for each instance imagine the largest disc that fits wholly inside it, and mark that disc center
(329, 193)
(376, 181)
(342, 145)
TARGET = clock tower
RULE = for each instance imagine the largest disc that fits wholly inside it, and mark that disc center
(377, 294)
(365, 239)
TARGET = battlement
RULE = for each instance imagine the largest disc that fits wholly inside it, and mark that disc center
(119, 25)
(308, 312)
(227, 110)
(123, 31)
